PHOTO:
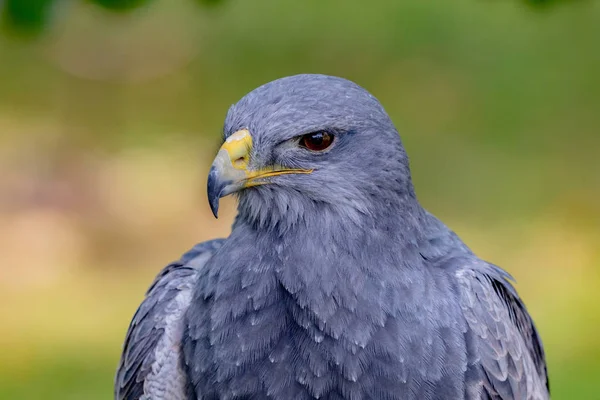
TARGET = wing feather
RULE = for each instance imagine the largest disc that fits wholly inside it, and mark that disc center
(509, 358)
(150, 364)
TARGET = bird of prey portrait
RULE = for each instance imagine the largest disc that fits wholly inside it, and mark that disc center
(335, 283)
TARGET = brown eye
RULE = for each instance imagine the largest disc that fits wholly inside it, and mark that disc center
(317, 141)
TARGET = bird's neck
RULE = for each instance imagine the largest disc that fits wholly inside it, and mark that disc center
(331, 262)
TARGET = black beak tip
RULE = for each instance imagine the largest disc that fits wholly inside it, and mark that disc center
(214, 207)
(214, 188)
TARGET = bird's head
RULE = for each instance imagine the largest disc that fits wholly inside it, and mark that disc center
(309, 142)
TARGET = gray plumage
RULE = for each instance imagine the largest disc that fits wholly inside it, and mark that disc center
(334, 284)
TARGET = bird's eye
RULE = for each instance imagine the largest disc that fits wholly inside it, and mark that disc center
(316, 141)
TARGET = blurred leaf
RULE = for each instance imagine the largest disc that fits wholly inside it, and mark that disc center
(120, 5)
(209, 3)
(26, 16)
(30, 17)
(545, 4)
(125, 5)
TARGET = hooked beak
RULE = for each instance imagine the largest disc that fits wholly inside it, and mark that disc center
(229, 172)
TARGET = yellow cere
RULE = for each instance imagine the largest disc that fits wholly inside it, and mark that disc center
(238, 148)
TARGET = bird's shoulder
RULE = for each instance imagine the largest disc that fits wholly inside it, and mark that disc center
(507, 354)
(150, 362)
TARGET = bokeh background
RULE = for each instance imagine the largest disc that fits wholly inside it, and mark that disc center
(111, 112)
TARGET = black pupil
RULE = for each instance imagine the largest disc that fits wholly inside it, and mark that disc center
(316, 139)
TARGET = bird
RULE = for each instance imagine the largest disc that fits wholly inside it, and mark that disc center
(334, 283)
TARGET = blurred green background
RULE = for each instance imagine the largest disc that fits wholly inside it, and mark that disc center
(109, 120)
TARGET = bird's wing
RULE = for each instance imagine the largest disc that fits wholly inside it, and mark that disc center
(505, 349)
(150, 364)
